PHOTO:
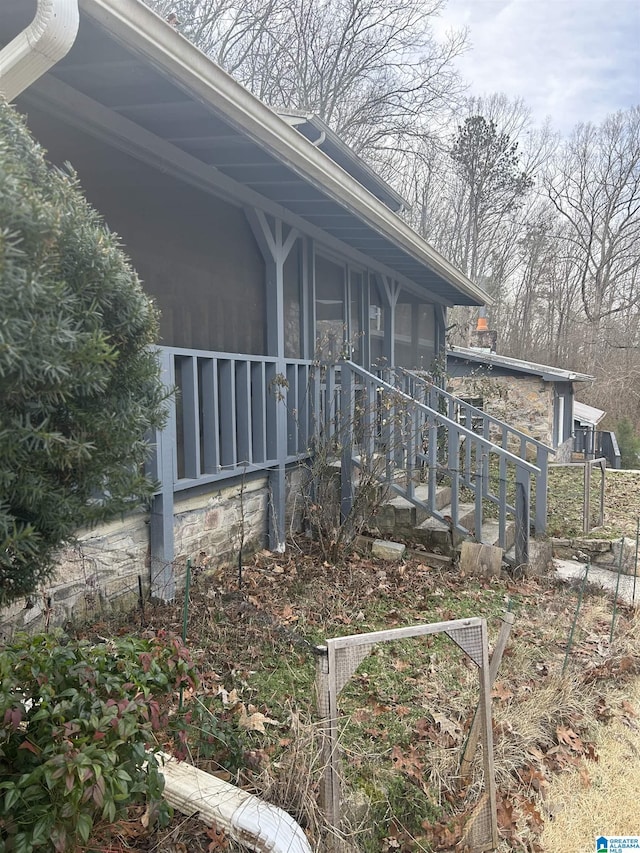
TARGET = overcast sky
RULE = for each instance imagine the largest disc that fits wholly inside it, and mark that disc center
(572, 60)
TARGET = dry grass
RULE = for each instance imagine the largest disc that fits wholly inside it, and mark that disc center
(606, 803)
(255, 641)
(566, 501)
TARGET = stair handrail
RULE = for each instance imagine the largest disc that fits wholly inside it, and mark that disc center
(524, 469)
(432, 386)
(496, 448)
(542, 450)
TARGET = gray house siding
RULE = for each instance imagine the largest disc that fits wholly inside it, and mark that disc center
(198, 257)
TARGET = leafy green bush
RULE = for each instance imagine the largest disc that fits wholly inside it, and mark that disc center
(79, 383)
(629, 444)
(207, 732)
(77, 723)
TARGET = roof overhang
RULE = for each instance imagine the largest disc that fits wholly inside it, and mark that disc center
(587, 414)
(491, 359)
(134, 80)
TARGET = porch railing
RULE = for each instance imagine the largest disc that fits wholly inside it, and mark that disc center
(374, 423)
(231, 415)
(494, 430)
(592, 444)
(223, 417)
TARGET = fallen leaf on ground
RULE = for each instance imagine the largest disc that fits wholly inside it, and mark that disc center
(254, 722)
(447, 726)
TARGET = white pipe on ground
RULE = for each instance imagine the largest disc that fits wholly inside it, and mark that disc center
(258, 825)
(37, 48)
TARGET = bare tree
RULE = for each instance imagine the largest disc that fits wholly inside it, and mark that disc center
(543, 303)
(594, 184)
(371, 69)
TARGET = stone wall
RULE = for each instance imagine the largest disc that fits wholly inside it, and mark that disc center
(523, 402)
(564, 452)
(108, 567)
(604, 553)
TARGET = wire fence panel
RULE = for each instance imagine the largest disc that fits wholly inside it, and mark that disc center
(337, 662)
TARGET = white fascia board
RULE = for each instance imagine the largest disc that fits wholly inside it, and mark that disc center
(143, 31)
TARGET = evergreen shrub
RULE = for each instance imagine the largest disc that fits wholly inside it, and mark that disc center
(79, 379)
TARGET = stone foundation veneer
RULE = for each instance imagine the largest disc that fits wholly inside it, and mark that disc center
(101, 571)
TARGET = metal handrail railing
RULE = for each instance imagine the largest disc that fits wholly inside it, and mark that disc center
(501, 430)
(406, 431)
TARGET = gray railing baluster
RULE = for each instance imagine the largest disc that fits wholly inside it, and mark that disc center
(522, 516)
(302, 407)
(271, 409)
(452, 464)
(433, 462)
(409, 419)
(331, 410)
(479, 491)
(346, 441)
(227, 388)
(243, 413)
(292, 414)
(542, 462)
(258, 412)
(190, 417)
(468, 467)
(486, 486)
(209, 402)
(316, 390)
(502, 503)
(370, 421)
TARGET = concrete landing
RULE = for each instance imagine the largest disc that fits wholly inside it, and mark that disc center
(607, 580)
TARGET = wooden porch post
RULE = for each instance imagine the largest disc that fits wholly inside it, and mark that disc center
(163, 584)
(440, 342)
(275, 248)
(390, 290)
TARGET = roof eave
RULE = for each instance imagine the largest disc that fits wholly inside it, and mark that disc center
(541, 370)
(143, 31)
(391, 198)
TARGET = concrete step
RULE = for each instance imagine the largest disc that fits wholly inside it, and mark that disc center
(433, 533)
(491, 533)
(400, 514)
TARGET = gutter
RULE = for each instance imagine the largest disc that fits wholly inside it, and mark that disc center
(46, 40)
(143, 31)
(258, 825)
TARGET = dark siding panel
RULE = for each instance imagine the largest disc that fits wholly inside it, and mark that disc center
(195, 253)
